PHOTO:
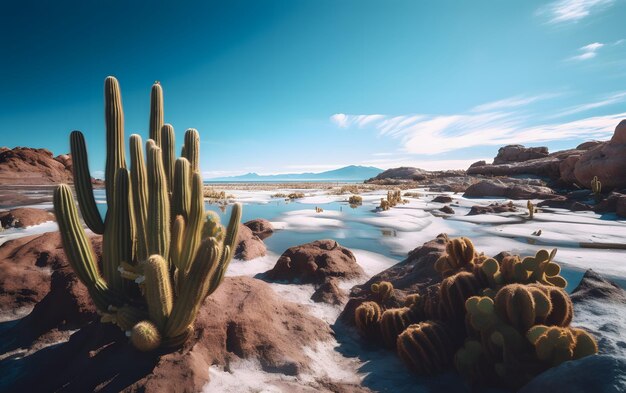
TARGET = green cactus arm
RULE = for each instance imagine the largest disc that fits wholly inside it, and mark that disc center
(78, 250)
(192, 149)
(229, 245)
(156, 113)
(193, 289)
(169, 155)
(158, 206)
(178, 229)
(139, 190)
(158, 290)
(193, 228)
(114, 118)
(181, 195)
(82, 183)
(117, 242)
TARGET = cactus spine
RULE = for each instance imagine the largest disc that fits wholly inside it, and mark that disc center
(154, 234)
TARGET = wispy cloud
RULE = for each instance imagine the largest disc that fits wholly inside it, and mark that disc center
(587, 52)
(563, 11)
(344, 121)
(430, 165)
(609, 100)
(430, 135)
(513, 102)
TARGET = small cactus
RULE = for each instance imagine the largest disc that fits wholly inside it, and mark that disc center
(596, 188)
(383, 290)
(531, 209)
(459, 255)
(427, 347)
(393, 322)
(541, 269)
(555, 345)
(367, 318)
(455, 290)
(355, 200)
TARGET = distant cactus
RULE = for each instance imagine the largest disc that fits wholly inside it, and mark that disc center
(427, 347)
(596, 187)
(531, 209)
(319, 209)
(355, 200)
(156, 233)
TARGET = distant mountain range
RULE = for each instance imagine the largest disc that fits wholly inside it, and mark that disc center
(348, 173)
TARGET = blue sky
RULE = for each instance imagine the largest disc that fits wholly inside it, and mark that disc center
(290, 86)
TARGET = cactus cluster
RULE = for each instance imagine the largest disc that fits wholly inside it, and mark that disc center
(498, 323)
(355, 200)
(393, 199)
(162, 254)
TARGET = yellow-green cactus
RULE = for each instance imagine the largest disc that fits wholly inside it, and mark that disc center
(153, 234)
(459, 255)
(541, 269)
(531, 209)
(393, 322)
(367, 318)
(555, 345)
(383, 291)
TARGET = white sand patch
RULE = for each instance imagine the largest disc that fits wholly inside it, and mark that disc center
(310, 221)
(320, 199)
(252, 267)
(488, 219)
(372, 263)
(248, 376)
(16, 233)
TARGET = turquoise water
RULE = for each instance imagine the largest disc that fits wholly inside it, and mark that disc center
(353, 234)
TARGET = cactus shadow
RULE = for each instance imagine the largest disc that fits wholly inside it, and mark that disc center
(96, 357)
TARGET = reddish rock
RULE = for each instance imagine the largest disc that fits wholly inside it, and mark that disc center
(413, 275)
(495, 188)
(620, 208)
(606, 160)
(249, 246)
(243, 319)
(260, 227)
(329, 292)
(314, 262)
(24, 165)
(493, 208)
(442, 199)
(24, 217)
(519, 153)
(566, 168)
(447, 209)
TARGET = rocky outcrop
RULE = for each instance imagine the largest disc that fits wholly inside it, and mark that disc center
(493, 208)
(24, 165)
(315, 262)
(497, 188)
(413, 275)
(260, 227)
(606, 160)
(442, 199)
(243, 319)
(26, 267)
(519, 153)
(249, 246)
(329, 293)
(414, 174)
(547, 167)
(24, 217)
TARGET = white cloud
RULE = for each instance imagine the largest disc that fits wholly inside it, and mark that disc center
(430, 135)
(513, 102)
(344, 121)
(562, 11)
(429, 165)
(588, 51)
(610, 100)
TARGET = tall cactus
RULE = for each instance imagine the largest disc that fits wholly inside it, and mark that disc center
(156, 234)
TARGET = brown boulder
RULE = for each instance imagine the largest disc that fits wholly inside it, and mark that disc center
(496, 188)
(243, 319)
(24, 165)
(314, 262)
(566, 167)
(24, 217)
(519, 153)
(26, 265)
(621, 206)
(447, 209)
(260, 227)
(493, 208)
(249, 246)
(607, 161)
(329, 292)
(413, 275)
(442, 199)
